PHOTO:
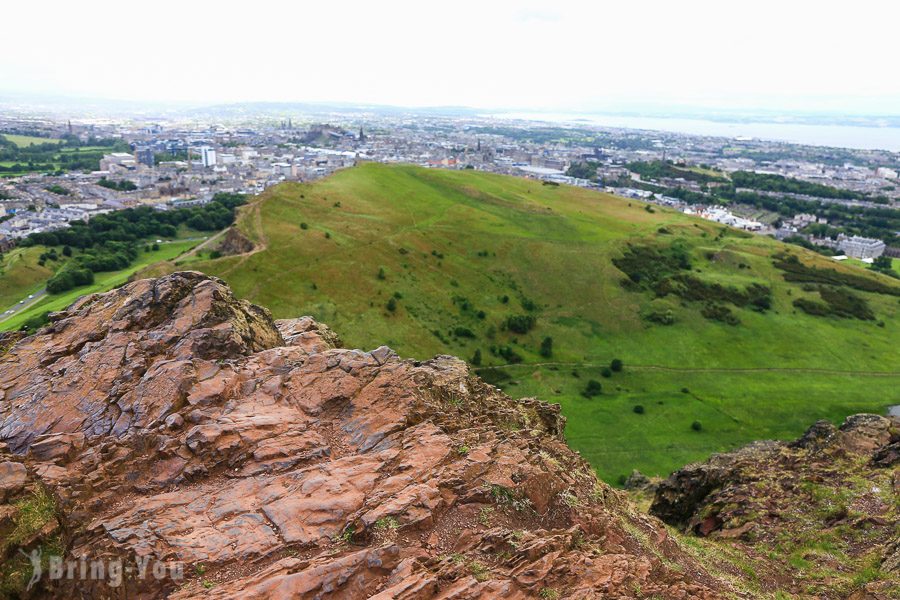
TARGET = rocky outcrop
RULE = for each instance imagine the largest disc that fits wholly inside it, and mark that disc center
(180, 431)
(828, 501)
(234, 242)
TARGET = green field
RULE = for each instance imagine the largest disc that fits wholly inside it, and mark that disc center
(25, 267)
(453, 244)
(28, 140)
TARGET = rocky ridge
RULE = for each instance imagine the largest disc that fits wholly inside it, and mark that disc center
(816, 518)
(168, 423)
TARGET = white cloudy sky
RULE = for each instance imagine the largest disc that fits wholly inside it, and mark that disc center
(532, 54)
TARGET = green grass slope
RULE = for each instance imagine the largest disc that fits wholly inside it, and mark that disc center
(460, 252)
(22, 275)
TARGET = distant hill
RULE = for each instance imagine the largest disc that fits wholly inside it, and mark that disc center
(718, 347)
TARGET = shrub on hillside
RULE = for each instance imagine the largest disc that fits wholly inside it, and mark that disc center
(593, 388)
(476, 358)
(520, 323)
(717, 312)
(794, 270)
(838, 303)
(506, 353)
(547, 347)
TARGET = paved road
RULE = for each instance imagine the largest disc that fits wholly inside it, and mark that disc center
(20, 306)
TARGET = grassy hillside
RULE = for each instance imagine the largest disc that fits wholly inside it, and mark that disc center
(22, 275)
(462, 252)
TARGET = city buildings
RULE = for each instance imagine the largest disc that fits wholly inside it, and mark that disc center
(860, 247)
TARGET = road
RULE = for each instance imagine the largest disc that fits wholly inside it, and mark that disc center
(22, 305)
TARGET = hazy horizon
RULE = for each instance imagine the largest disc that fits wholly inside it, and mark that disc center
(536, 56)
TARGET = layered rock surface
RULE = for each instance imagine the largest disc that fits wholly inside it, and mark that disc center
(167, 422)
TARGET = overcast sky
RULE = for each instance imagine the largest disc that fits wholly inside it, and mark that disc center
(554, 55)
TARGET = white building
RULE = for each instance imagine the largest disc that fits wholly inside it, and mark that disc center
(208, 156)
(117, 161)
(860, 247)
(720, 215)
(886, 173)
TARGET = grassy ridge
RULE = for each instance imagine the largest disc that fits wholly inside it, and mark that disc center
(449, 246)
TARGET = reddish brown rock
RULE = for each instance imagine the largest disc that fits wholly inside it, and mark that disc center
(175, 425)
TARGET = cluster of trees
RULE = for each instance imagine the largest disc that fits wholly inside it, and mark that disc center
(582, 170)
(122, 186)
(875, 222)
(110, 242)
(69, 277)
(57, 189)
(778, 183)
(520, 323)
(884, 264)
(657, 169)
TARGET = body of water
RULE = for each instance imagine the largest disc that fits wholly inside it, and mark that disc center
(839, 136)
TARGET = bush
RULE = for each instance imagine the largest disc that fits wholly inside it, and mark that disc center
(463, 332)
(392, 304)
(304, 226)
(508, 354)
(666, 317)
(520, 323)
(616, 364)
(638, 409)
(476, 358)
(696, 426)
(547, 347)
(494, 376)
(36, 322)
(593, 388)
(606, 372)
(381, 274)
(646, 266)
(717, 312)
